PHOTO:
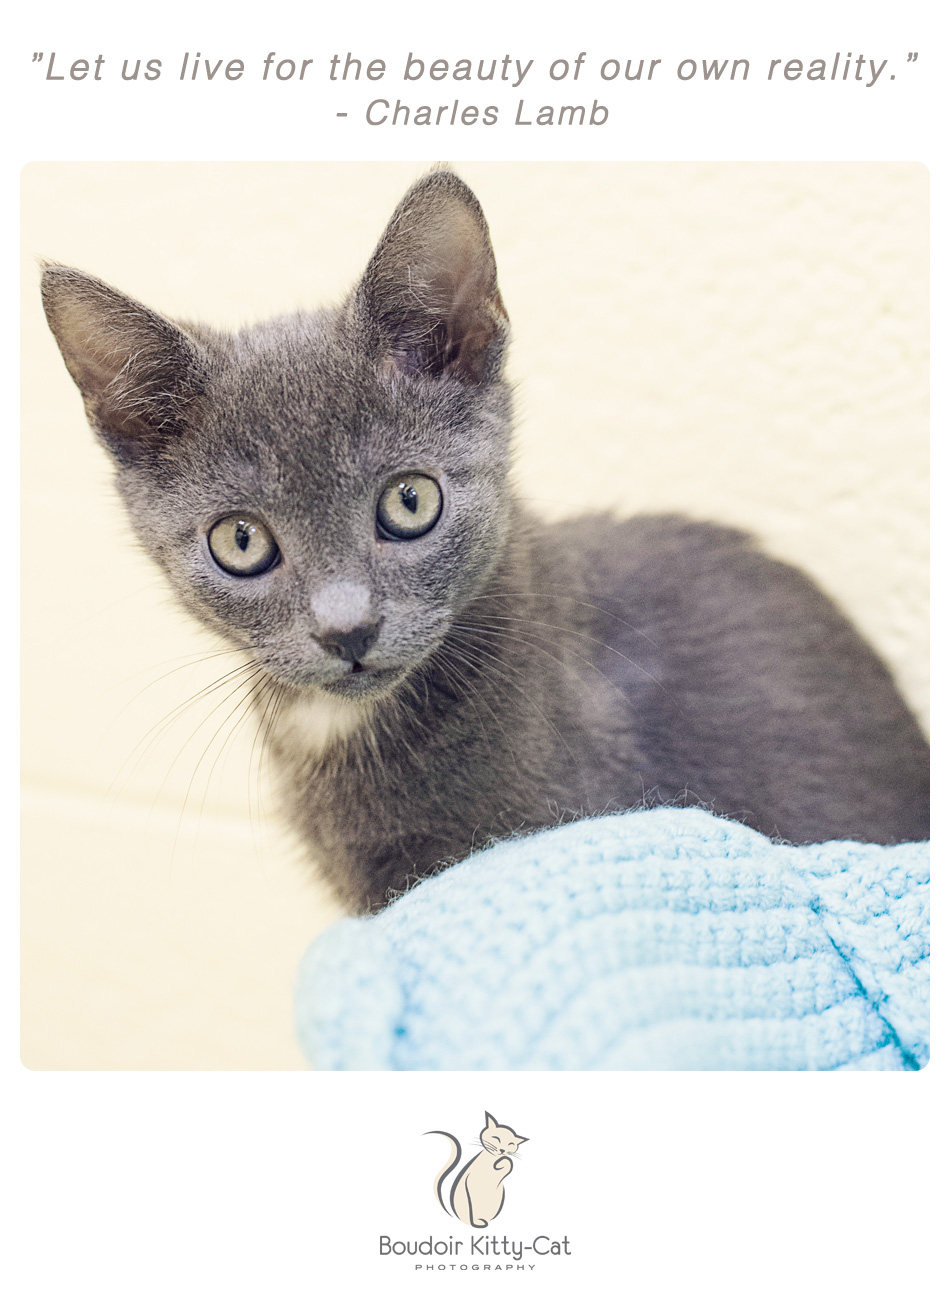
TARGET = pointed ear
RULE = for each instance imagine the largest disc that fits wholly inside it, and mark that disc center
(490, 1121)
(140, 375)
(520, 1140)
(430, 295)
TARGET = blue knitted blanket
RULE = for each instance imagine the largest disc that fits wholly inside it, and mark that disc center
(656, 940)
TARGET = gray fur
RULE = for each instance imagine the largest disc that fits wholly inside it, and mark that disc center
(520, 673)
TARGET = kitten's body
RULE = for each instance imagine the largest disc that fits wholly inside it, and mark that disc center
(489, 672)
(601, 668)
(478, 1192)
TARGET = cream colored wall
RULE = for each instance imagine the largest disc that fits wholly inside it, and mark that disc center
(742, 342)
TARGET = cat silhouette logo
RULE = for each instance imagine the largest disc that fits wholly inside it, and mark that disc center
(478, 1192)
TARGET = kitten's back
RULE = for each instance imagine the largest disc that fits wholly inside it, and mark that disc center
(745, 683)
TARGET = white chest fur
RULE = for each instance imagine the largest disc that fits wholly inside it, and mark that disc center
(311, 723)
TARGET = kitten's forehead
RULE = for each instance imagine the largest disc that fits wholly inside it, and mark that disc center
(295, 376)
(297, 399)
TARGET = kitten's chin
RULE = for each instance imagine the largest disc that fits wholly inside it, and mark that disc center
(367, 683)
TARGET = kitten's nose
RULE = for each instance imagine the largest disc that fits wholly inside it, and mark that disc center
(351, 644)
(345, 622)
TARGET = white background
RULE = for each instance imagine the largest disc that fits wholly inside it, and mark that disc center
(288, 1179)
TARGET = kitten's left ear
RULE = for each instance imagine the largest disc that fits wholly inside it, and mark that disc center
(520, 1140)
(430, 293)
(490, 1121)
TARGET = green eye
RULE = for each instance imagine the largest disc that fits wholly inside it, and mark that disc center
(409, 506)
(243, 546)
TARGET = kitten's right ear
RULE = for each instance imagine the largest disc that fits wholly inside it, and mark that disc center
(140, 375)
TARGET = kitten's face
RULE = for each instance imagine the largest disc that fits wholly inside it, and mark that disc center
(499, 1139)
(359, 501)
(325, 490)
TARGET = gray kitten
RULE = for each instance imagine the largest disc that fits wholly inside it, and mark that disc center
(437, 667)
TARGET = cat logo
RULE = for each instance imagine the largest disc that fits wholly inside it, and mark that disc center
(478, 1191)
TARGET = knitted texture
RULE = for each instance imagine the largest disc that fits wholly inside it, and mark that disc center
(655, 940)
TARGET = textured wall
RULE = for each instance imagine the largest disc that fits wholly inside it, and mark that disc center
(744, 342)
